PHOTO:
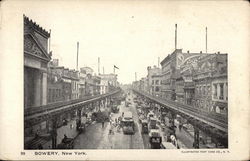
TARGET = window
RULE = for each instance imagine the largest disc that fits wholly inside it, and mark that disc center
(221, 91)
(49, 95)
(208, 89)
(152, 81)
(157, 82)
(226, 92)
(215, 91)
(157, 89)
(53, 95)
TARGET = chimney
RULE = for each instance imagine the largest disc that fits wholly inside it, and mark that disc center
(206, 39)
(77, 56)
(158, 62)
(188, 51)
(218, 52)
(175, 36)
(201, 52)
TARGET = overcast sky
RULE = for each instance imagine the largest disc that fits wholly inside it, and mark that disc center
(132, 34)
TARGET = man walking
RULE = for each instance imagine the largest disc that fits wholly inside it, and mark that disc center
(102, 123)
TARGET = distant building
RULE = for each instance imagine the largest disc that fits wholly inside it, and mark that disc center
(156, 84)
(82, 82)
(63, 84)
(108, 82)
(96, 81)
(171, 67)
(36, 58)
(154, 79)
(144, 84)
(74, 75)
(136, 85)
(92, 82)
(87, 70)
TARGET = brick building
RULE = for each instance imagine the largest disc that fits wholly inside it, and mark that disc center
(211, 83)
(173, 67)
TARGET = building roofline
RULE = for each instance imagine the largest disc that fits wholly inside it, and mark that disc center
(35, 26)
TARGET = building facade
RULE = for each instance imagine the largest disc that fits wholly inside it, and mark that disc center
(153, 76)
(36, 58)
(173, 68)
(108, 82)
(74, 76)
(96, 82)
(144, 84)
(156, 84)
(82, 82)
(211, 83)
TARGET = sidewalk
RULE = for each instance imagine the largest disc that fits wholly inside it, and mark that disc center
(46, 141)
(69, 130)
(164, 138)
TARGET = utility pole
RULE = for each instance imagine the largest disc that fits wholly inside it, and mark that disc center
(103, 70)
(77, 56)
(206, 39)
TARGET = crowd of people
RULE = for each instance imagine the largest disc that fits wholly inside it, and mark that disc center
(114, 123)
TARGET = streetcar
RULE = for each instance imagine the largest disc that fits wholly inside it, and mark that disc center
(128, 125)
(144, 125)
(155, 139)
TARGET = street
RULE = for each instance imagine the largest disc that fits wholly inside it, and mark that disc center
(97, 137)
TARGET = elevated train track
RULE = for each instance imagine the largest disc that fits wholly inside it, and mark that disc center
(36, 115)
(210, 123)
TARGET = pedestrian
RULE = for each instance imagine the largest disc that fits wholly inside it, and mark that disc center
(102, 123)
(64, 138)
(40, 146)
(36, 134)
(180, 126)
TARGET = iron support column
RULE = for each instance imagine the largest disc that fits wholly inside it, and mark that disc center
(171, 121)
(54, 132)
(99, 105)
(196, 138)
(79, 114)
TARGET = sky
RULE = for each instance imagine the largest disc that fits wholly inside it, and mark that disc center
(133, 34)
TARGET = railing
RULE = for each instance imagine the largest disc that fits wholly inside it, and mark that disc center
(39, 109)
(215, 118)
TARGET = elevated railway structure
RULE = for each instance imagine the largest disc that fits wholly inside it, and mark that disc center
(212, 124)
(51, 113)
